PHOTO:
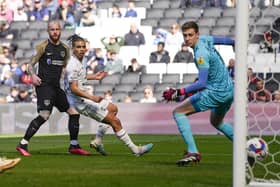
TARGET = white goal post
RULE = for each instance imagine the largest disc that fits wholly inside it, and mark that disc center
(240, 98)
(241, 104)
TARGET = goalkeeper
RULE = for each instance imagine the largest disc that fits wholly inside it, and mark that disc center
(216, 90)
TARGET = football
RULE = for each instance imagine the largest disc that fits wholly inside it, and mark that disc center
(257, 148)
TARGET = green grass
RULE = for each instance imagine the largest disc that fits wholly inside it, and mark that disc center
(51, 165)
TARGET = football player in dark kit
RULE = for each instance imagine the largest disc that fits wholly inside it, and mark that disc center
(52, 56)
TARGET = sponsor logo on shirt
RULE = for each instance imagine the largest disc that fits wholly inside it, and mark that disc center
(200, 61)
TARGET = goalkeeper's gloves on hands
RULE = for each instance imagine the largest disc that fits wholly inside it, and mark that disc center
(170, 94)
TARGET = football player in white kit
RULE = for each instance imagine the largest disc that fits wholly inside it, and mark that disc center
(90, 105)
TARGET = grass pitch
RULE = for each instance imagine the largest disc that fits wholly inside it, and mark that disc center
(51, 165)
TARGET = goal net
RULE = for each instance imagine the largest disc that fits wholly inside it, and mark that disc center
(261, 117)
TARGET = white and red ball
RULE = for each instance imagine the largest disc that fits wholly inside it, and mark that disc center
(257, 148)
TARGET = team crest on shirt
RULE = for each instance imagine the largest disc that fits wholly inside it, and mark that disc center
(47, 102)
(200, 61)
(62, 54)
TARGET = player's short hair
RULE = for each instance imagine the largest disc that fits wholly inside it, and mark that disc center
(74, 38)
(190, 25)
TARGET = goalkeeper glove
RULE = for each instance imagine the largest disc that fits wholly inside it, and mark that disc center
(172, 94)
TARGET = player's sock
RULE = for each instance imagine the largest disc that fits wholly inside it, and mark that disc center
(101, 131)
(23, 141)
(227, 129)
(186, 132)
(33, 127)
(73, 127)
(124, 137)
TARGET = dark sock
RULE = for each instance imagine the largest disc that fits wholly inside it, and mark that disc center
(73, 126)
(33, 127)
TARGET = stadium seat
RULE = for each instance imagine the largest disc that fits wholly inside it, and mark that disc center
(28, 53)
(192, 12)
(130, 78)
(19, 25)
(161, 87)
(175, 4)
(103, 87)
(145, 4)
(104, 5)
(111, 79)
(19, 53)
(124, 88)
(136, 96)
(38, 25)
(189, 78)
(226, 21)
(141, 87)
(221, 31)
(205, 30)
(214, 12)
(229, 12)
(65, 33)
(207, 22)
(255, 12)
(119, 96)
(150, 21)
(173, 78)
(23, 44)
(266, 21)
(167, 22)
(173, 13)
(29, 34)
(151, 78)
(271, 12)
(155, 13)
(4, 90)
(164, 4)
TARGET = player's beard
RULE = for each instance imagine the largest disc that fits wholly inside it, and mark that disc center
(55, 38)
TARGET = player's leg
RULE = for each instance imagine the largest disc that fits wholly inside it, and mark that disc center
(33, 127)
(106, 112)
(218, 113)
(8, 163)
(96, 141)
(180, 115)
(123, 136)
(217, 121)
(44, 107)
(62, 104)
(101, 130)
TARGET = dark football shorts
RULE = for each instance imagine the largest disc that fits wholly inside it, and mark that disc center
(50, 96)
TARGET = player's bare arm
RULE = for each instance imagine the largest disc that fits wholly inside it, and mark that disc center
(31, 70)
(97, 76)
(76, 90)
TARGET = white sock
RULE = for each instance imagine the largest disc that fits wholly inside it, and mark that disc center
(101, 131)
(124, 137)
(23, 141)
(74, 142)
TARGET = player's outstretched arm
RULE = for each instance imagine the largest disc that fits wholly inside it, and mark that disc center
(172, 94)
(97, 76)
(223, 41)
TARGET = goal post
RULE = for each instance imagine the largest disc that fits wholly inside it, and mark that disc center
(240, 98)
(268, 170)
